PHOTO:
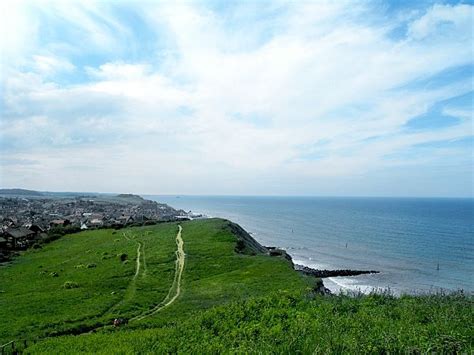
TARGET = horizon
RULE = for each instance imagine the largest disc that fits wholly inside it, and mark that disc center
(237, 98)
(145, 195)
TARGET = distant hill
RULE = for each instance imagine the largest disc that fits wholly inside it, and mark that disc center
(20, 192)
(132, 196)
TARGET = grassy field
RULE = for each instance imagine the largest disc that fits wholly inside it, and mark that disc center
(80, 282)
(229, 302)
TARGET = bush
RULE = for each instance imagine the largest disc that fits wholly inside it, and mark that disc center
(70, 284)
(240, 246)
(150, 223)
(52, 236)
(122, 256)
(71, 229)
(91, 266)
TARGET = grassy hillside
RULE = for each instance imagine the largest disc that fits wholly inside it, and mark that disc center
(81, 282)
(227, 301)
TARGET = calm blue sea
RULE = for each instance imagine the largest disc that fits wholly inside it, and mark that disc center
(404, 238)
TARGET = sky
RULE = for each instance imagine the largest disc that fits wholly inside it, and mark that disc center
(340, 98)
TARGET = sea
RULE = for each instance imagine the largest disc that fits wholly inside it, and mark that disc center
(419, 245)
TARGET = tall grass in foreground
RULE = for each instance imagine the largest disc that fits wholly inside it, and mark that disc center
(291, 323)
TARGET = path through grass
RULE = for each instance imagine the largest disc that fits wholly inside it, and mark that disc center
(34, 302)
(175, 288)
(210, 273)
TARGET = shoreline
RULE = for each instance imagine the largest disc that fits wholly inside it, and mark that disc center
(332, 287)
(327, 278)
(335, 281)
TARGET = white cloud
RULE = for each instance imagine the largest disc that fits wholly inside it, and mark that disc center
(303, 102)
(116, 71)
(18, 32)
(443, 20)
(48, 65)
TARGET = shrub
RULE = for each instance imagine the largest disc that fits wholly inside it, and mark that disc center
(122, 256)
(70, 284)
(91, 266)
(240, 246)
(150, 223)
(71, 229)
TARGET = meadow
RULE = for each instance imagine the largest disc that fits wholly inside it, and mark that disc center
(232, 300)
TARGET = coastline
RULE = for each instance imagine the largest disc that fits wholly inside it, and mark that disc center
(328, 278)
(327, 284)
(402, 238)
(332, 287)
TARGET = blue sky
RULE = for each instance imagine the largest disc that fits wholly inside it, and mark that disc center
(371, 98)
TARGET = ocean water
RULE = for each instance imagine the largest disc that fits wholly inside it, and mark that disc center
(403, 238)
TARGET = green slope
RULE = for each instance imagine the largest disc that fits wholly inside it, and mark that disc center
(35, 303)
(228, 302)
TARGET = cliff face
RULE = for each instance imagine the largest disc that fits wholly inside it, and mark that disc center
(246, 244)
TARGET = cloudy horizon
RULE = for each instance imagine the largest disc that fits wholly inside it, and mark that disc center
(343, 98)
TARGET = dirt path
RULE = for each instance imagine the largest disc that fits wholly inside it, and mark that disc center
(140, 256)
(175, 289)
(144, 260)
(131, 288)
(173, 293)
(137, 268)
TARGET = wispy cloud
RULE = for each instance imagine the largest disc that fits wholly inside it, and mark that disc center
(275, 97)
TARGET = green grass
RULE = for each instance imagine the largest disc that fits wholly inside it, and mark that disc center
(291, 323)
(229, 302)
(35, 304)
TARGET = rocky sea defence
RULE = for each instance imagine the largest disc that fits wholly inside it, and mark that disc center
(332, 273)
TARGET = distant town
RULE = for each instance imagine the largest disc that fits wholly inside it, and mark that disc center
(30, 218)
